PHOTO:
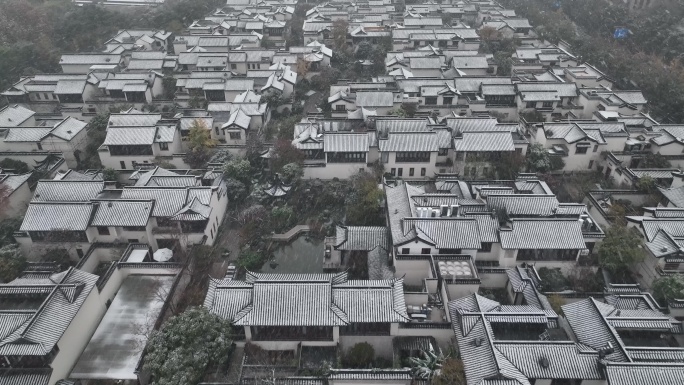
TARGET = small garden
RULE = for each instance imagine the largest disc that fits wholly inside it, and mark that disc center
(270, 196)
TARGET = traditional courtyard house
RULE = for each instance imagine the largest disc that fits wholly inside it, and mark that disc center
(662, 230)
(480, 143)
(135, 88)
(510, 27)
(495, 224)
(580, 144)
(46, 320)
(66, 136)
(285, 311)
(667, 142)
(81, 63)
(164, 210)
(552, 100)
(134, 39)
(600, 99)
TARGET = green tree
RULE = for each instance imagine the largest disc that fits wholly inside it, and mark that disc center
(538, 159)
(452, 373)
(199, 142)
(340, 29)
(621, 249)
(292, 172)
(363, 204)
(12, 262)
(654, 161)
(235, 190)
(7, 228)
(668, 288)
(556, 302)
(360, 356)
(239, 169)
(250, 260)
(169, 85)
(110, 174)
(200, 136)
(281, 216)
(285, 153)
(429, 365)
(552, 279)
(18, 166)
(188, 343)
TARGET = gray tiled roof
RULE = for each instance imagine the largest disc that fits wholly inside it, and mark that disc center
(14, 115)
(39, 330)
(12, 376)
(427, 141)
(446, 233)
(374, 99)
(587, 322)
(57, 216)
(543, 234)
(363, 238)
(168, 201)
(523, 204)
(484, 142)
(646, 373)
(122, 213)
(133, 120)
(472, 124)
(130, 136)
(67, 191)
(304, 300)
(566, 359)
(344, 142)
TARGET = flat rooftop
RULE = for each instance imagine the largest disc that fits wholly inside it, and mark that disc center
(116, 347)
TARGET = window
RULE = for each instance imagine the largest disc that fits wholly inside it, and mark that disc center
(486, 247)
(531, 105)
(485, 170)
(341, 107)
(216, 130)
(400, 172)
(547, 104)
(235, 135)
(591, 164)
(413, 156)
(411, 173)
(79, 252)
(393, 171)
(671, 266)
(447, 101)
(103, 230)
(405, 250)
(38, 96)
(133, 240)
(40, 146)
(473, 171)
(431, 100)
(123, 165)
(45, 95)
(233, 66)
(581, 150)
(443, 151)
(422, 171)
(595, 148)
(425, 251)
(163, 146)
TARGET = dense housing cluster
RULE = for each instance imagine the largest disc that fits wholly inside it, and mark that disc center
(529, 211)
